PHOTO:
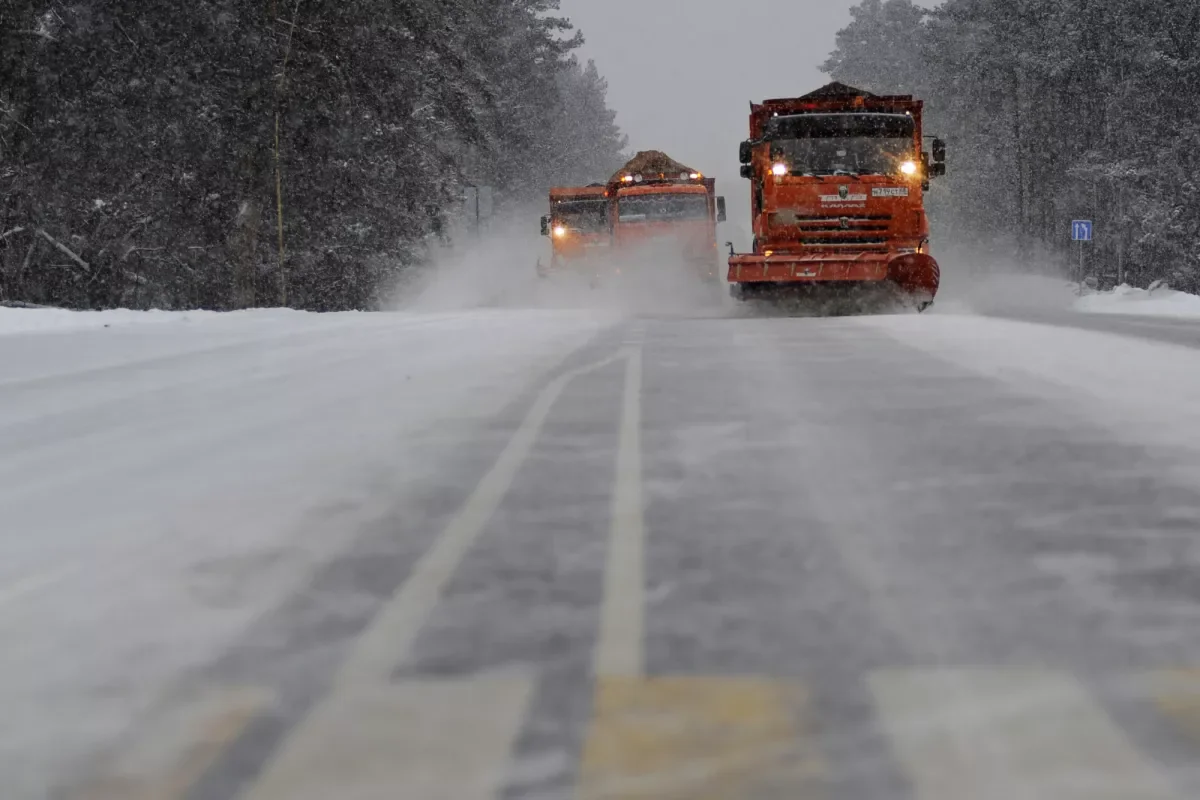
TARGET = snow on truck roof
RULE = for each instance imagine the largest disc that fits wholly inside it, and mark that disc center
(652, 162)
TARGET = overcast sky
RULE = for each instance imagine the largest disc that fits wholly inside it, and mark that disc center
(681, 73)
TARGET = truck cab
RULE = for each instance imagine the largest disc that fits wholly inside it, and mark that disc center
(657, 199)
(578, 224)
(838, 179)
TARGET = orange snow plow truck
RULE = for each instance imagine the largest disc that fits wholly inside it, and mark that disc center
(578, 226)
(838, 179)
(655, 198)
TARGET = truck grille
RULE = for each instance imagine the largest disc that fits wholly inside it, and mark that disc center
(865, 232)
(843, 241)
(867, 218)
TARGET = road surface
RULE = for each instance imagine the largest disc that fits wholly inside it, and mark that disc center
(535, 555)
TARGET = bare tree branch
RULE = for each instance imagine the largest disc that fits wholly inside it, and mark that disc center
(71, 254)
(13, 232)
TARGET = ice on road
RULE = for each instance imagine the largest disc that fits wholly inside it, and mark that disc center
(536, 554)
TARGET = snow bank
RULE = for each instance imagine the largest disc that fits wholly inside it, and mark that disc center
(1143, 302)
(1144, 392)
(36, 320)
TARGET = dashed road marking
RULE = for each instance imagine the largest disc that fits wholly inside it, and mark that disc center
(433, 740)
(166, 761)
(699, 738)
(1002, 734)
(1177, 695)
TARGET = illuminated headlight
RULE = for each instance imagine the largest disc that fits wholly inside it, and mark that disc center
(560, 231)
(909, 168)
(695, 176)
(780, 169)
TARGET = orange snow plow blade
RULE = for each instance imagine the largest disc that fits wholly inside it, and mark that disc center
(916, 274)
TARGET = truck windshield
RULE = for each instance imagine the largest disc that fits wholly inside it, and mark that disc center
(843, 156)
(645, 207)
(842, 144)
(585, 216)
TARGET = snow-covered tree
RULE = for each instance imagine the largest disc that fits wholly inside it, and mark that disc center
(1054, 109)
(223, 154)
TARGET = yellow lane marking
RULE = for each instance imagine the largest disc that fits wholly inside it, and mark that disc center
(700, 738)
(432, 740)
(183, 745)
(999, 735)
(619, 648)
(1177, 694)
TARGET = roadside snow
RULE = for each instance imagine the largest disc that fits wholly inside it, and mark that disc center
(1142, 391)
(1142, 302)
(162, 485)
(35, 320)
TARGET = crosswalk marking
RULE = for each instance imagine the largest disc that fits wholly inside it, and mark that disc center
(433, 740)
(698, 738)
(167, 760)
(619, 648)
(999, 735)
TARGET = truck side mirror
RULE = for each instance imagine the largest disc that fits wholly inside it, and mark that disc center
(939, 151)
(720, 209)
(938, 169)
(745, 152)
(747, 171)
(546, 225)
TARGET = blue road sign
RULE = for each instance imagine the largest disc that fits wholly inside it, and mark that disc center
(1081, 230)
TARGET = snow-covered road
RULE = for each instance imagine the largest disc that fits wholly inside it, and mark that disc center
(565, 554)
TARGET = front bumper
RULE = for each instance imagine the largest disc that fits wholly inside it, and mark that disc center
(915, 273)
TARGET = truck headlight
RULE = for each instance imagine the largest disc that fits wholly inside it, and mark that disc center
(560, 231)
(780, 169)
(909, 168)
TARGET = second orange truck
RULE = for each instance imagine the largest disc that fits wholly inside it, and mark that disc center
(651, 199)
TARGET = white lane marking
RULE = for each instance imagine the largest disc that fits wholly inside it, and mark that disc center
(389, 638)
(999, 735)
(34, 583)
(433, 740)
(371, 739)
(619, 649)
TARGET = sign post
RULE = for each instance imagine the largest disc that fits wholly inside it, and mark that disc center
(1081, 231)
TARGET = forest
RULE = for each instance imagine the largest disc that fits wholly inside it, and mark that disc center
(230, 153)
(1053, 110)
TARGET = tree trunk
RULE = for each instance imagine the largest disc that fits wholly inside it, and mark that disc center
(243, 249)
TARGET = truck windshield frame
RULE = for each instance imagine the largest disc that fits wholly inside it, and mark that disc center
(583, 216)
(663, 207)
(854, 156)
(846, 125)
(842, 144)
